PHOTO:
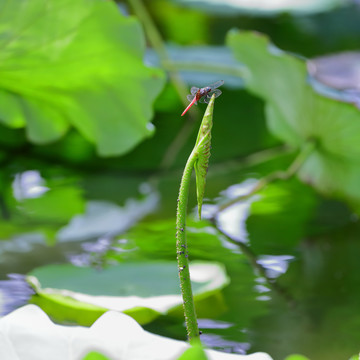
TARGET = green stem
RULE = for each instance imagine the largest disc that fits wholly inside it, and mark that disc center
(182, 252)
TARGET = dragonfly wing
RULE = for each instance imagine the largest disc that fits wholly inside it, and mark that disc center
(194, 90)
(217, 93)
(203, 99)
(216, 84)
(190, 97)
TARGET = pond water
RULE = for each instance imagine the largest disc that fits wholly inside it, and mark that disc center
(291, 255)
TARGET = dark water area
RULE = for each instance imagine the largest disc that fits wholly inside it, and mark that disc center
(291, 255)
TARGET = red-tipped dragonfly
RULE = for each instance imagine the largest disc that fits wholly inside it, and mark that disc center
(203, 95)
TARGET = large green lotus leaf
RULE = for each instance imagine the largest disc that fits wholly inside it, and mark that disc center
(28, 334)
(75, 63)
(141, 290)
(296, 113)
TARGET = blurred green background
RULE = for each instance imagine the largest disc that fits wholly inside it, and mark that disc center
(92, 147)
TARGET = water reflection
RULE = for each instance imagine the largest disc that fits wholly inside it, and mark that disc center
(95, 253)
(217, 342)
(21, 244)
(214, 324)
(14, 293)
(36, 223)
(261, 288)
(275, 265)
(28, 185)
(106, 218)
(232, 220)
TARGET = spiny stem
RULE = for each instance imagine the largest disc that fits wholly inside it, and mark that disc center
(198, 160)
(182, 252)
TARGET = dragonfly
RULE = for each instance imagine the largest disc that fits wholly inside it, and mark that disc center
(203, 95)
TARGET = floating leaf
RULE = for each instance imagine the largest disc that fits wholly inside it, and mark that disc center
(141, 290)
(202, 147)
(85, 70)
(297, 114)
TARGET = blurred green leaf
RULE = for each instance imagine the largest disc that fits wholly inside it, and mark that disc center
(297, 114)
(11, 138)
(39, 202)
(180, 25)
(56, 205)
(71, 149)
(85, 70)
